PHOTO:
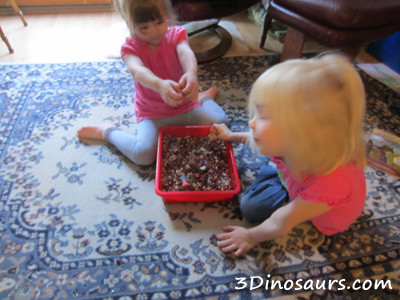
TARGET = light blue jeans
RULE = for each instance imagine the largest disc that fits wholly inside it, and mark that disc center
(142, 148)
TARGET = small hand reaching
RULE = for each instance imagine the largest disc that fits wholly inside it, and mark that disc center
(220, 132)
(171, 92)
(236, 239)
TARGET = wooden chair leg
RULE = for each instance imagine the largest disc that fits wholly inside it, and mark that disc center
(267, 24)
(293, 45)
(351, 52)
(18, 11)
(4, 38)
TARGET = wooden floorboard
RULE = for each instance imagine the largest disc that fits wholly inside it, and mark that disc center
(65, 37)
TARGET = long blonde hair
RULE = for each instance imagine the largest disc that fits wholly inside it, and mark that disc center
(135, 12)
(319, 106)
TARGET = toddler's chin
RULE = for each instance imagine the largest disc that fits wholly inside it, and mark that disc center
(266, 152)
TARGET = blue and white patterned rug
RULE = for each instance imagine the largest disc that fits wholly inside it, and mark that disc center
(79, 221)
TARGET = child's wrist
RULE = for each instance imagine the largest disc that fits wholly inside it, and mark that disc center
(159, 85)
(192, 73)
(232, 136)
(252, 236)
(235, 137)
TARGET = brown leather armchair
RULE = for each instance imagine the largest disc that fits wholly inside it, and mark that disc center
(196, 10)
(343, 24)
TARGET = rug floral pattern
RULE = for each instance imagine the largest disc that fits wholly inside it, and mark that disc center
(79, 221)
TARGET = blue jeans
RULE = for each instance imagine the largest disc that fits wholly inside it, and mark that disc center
(264, 196)
(142, 148)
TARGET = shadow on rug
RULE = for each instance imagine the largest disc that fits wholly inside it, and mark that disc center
(79, 221)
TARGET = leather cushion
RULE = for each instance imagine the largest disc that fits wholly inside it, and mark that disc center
(329, 36)
(195, 10)
(346, 14)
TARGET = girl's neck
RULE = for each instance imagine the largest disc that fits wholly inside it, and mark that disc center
(153, 47)
(150, 46)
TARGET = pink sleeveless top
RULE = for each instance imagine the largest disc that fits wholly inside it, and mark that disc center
(164, 63)
(344, 189)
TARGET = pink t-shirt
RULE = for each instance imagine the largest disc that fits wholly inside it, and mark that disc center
(344, 189)
(164, 63)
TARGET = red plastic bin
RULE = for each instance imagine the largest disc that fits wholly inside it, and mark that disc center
(194, 196)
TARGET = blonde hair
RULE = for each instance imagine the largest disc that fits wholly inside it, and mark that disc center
(319, 106)
(135, 12)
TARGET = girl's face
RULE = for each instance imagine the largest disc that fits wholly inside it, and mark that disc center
(152, 33)
(266, 133)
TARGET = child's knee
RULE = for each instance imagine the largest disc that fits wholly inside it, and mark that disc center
(223, 119)
(257, 207)
(219, 119)
(145, 155)
(145, 159)
(254, 212)
(216, 113)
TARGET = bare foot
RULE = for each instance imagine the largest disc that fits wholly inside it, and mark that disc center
(212, 92)
(94, 132)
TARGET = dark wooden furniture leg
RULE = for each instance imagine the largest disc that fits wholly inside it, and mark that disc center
(267, 24)
(351, 52)
(293, 45)
(4, 38)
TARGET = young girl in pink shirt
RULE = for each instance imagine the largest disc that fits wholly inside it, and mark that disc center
(308, 116)
(164, 69)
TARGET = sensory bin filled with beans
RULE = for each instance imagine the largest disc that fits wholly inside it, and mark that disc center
(194, 164)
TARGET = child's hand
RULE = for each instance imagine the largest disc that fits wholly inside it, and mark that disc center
(236, 240)
(189, 86)
(220, 132)
(171, 93)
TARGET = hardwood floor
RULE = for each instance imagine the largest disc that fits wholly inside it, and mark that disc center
(71, 37)
(66, 37)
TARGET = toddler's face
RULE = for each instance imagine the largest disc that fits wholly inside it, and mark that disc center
(152, 33)
(266, 133)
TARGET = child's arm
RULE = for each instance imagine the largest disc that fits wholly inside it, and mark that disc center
(222, 132)
(240, 239)
(188, 82)
(168, 89)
